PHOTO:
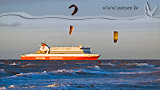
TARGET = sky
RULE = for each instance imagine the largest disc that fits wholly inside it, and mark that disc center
(139, 35)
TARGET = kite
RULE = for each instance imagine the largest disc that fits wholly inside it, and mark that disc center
(115, 36)
(70, 30)
(75, 9)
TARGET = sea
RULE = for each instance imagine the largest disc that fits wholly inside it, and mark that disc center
(80, 75)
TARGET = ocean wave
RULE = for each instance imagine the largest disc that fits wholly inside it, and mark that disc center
(2, 71)
(137, 64)
(83, 71)
(95, 70)
(155, 73)
(62, 72)
(157, 68)
(94, 67)
(107, 64)
(144, 65)
(28, 75)
(141, 72)
(14, 87)
(13, 64)
(30, 88)
(1, 62)
(2, 88)
(5, 73)
(11, 86)
(89, 70)
(52, 85)
(28, 65)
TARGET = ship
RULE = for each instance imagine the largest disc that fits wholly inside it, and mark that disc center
(61, 53)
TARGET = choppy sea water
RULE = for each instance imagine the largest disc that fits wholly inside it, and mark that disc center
(78, 75)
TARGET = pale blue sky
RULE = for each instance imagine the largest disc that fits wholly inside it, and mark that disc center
(86, 7)
(138, 39)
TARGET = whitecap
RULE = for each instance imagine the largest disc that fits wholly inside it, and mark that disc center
(44, 72)
(157, 68)
(89, 70)
(20, 74)
(56, 86)
(126, 72)
(2, 71)
(138, 64)
(94, 67)
(52, 85)
(144, 65)
(32, 86)
(28, 75)
(11, 86)
(28, 65)
(2, 88)
(62, 71)
(108, 64)
(13, 64)
(29, 87)
(83, 71)
(140, 72)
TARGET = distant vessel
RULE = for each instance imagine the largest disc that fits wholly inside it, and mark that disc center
(61, 53)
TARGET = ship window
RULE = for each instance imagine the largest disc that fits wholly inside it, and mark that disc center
(87, 52)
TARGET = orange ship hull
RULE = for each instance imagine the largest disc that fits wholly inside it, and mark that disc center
(61, 53)
(59, 57)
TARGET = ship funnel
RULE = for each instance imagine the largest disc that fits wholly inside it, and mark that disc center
(43, 44)
(44, 48)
